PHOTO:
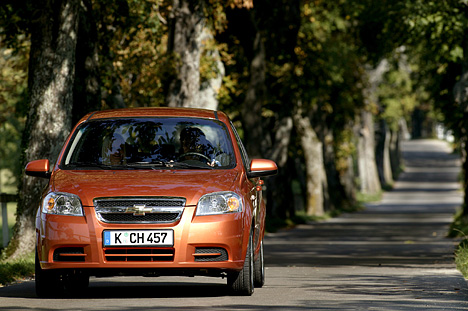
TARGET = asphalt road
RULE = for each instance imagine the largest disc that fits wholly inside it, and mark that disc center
(392, 256)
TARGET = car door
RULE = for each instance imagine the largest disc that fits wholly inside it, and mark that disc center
(255, 193)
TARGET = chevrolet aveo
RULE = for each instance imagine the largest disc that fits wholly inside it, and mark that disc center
(151, 191)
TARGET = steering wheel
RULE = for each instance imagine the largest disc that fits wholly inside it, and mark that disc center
(194, 154)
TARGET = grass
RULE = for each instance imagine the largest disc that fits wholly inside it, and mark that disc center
(13, 271)
(461, 258)
(459, 225)
(457, 229)
(363, 198)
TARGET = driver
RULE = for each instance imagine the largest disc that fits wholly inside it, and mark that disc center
(113, 150)
(195, 146)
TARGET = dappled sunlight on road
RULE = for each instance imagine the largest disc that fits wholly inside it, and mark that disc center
(408, 227)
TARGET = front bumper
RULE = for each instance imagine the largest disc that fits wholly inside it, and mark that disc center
(71, 242)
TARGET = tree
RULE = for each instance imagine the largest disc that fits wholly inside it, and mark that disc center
(316, 183)
(87, 82)
(436, 40)
(188, 46)
(54, 31)
(328, 80)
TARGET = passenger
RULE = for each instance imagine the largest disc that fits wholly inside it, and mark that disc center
(113, 150)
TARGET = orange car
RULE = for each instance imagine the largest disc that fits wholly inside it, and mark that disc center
(151, 191)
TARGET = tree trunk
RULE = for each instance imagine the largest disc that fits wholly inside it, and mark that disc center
(368, 176)
(366, 151)
(51, 76)
(184, 41)
(347, 179)
(395, 153)
(313, 155)
(87, 86)
(465, 170)
(253, 103)
(384, 166)
(279, 191)
(208, 93)
(338, 195)
(187, 38)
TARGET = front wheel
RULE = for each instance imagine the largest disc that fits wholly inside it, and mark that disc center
(75, 282)
(56, 283)
(48, 282)
(242, 283)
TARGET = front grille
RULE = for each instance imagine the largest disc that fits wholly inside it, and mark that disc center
(69, 254)
(203, 254)
(139, 210)
(163, 202)
(153, 217)
(139, 254)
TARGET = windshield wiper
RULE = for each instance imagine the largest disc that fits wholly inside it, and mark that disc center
(91, 165)
(146, 165)
(189, 165)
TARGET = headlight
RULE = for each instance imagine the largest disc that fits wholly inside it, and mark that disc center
(60, 203)
(219, 203)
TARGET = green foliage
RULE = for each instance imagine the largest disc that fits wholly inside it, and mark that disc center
(11, 271)
(461, 257)
(133, 40)
(368, 198)
(326, 53)
(13, 98)
(209, 60)
(459, 226)
(435, 44)
(396, 93)
(15, 18)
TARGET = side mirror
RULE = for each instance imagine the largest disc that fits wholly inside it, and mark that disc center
(262, 168)
(38, 168)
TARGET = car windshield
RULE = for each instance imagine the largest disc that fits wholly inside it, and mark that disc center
(149, 143)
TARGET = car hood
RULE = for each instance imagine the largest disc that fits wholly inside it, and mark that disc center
(178, 183)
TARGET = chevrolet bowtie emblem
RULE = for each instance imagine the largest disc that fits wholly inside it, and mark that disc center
(138, 210)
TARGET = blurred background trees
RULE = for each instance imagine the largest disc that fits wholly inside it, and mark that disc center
(327, 89)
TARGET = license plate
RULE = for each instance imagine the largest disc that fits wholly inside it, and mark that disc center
(139, 238)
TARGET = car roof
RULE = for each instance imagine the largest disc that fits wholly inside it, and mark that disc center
(156, 112)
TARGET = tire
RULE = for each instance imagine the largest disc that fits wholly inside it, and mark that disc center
(242, 283)
(48, 282)
(259, 268)
(75, 282)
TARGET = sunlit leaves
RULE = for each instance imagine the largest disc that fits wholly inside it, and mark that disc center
(328, 58)
(133, 48)
(397, 95)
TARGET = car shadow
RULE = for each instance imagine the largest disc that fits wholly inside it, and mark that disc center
(130, 287)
